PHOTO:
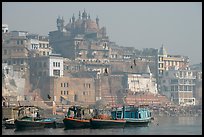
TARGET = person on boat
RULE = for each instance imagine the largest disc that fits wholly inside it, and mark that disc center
(78, 113)
(68, 113)
(38, 114)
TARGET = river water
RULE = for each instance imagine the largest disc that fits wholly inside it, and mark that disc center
(164, 125)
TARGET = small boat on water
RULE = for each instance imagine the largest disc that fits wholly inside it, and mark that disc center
(9, 124)
(72, 123)
(136, 116)
(33, 123)
(107, 123)
(76, 120)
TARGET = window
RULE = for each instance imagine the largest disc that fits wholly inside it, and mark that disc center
(132, 114)
(7, 71)
(21, 61)
(43, 52)
(176, 88)
(172, 88)
(61, 84)
(58, 64)
(53, 64)
(67, 92)
(174, 81)
(64, 92)
(139, 115)
(61, 91)
(56, 72)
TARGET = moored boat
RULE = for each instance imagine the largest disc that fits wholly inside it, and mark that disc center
(33, 123)
(9, 124)
(28, 123)
(107, 123)
(136, 116)
(75, 118)
(72, 123)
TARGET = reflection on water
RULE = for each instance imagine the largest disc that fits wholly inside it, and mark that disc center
(188, 120)
(160, 126)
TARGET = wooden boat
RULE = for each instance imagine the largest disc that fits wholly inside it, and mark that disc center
(76, 120)
(33, 123)
(72, 123)
(107, 123)
(136, 116)
(28, 123)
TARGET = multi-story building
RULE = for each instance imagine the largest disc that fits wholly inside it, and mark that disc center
(5, 28)
(179, 85)
(68, 90)
(15, 50)
(165, 61)
(51, 65)
(39, 45)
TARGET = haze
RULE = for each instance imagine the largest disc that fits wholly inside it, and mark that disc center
(176, 25)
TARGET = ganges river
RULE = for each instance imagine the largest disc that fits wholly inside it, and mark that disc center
(165, 125)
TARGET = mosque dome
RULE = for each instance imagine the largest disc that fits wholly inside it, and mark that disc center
(91, 25)
(68, 26)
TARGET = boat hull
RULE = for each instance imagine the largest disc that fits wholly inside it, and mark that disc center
(103, 123)
(72, 123)
(9, 125)
(137, 122)
(22, 124)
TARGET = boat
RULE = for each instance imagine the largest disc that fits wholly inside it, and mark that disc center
(9, 124)
(107, 123)
(76, 120)
(27, 122)
(136, 116)
(72, 123)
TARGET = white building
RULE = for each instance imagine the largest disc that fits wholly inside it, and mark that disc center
(142, 82)
(4, 28)
(179, 85)
(56, 65)
(51, 65)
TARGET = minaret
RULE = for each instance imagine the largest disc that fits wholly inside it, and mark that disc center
(73, 18)
(79, 15)
(89, 17)
(97, 21)
(84, 15)
(60, 23)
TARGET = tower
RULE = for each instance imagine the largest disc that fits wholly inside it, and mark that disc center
(97, 21)
(84, 15)
(73, 18)
(79, 15)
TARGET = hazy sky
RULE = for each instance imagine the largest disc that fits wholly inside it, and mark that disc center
(134, 24)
